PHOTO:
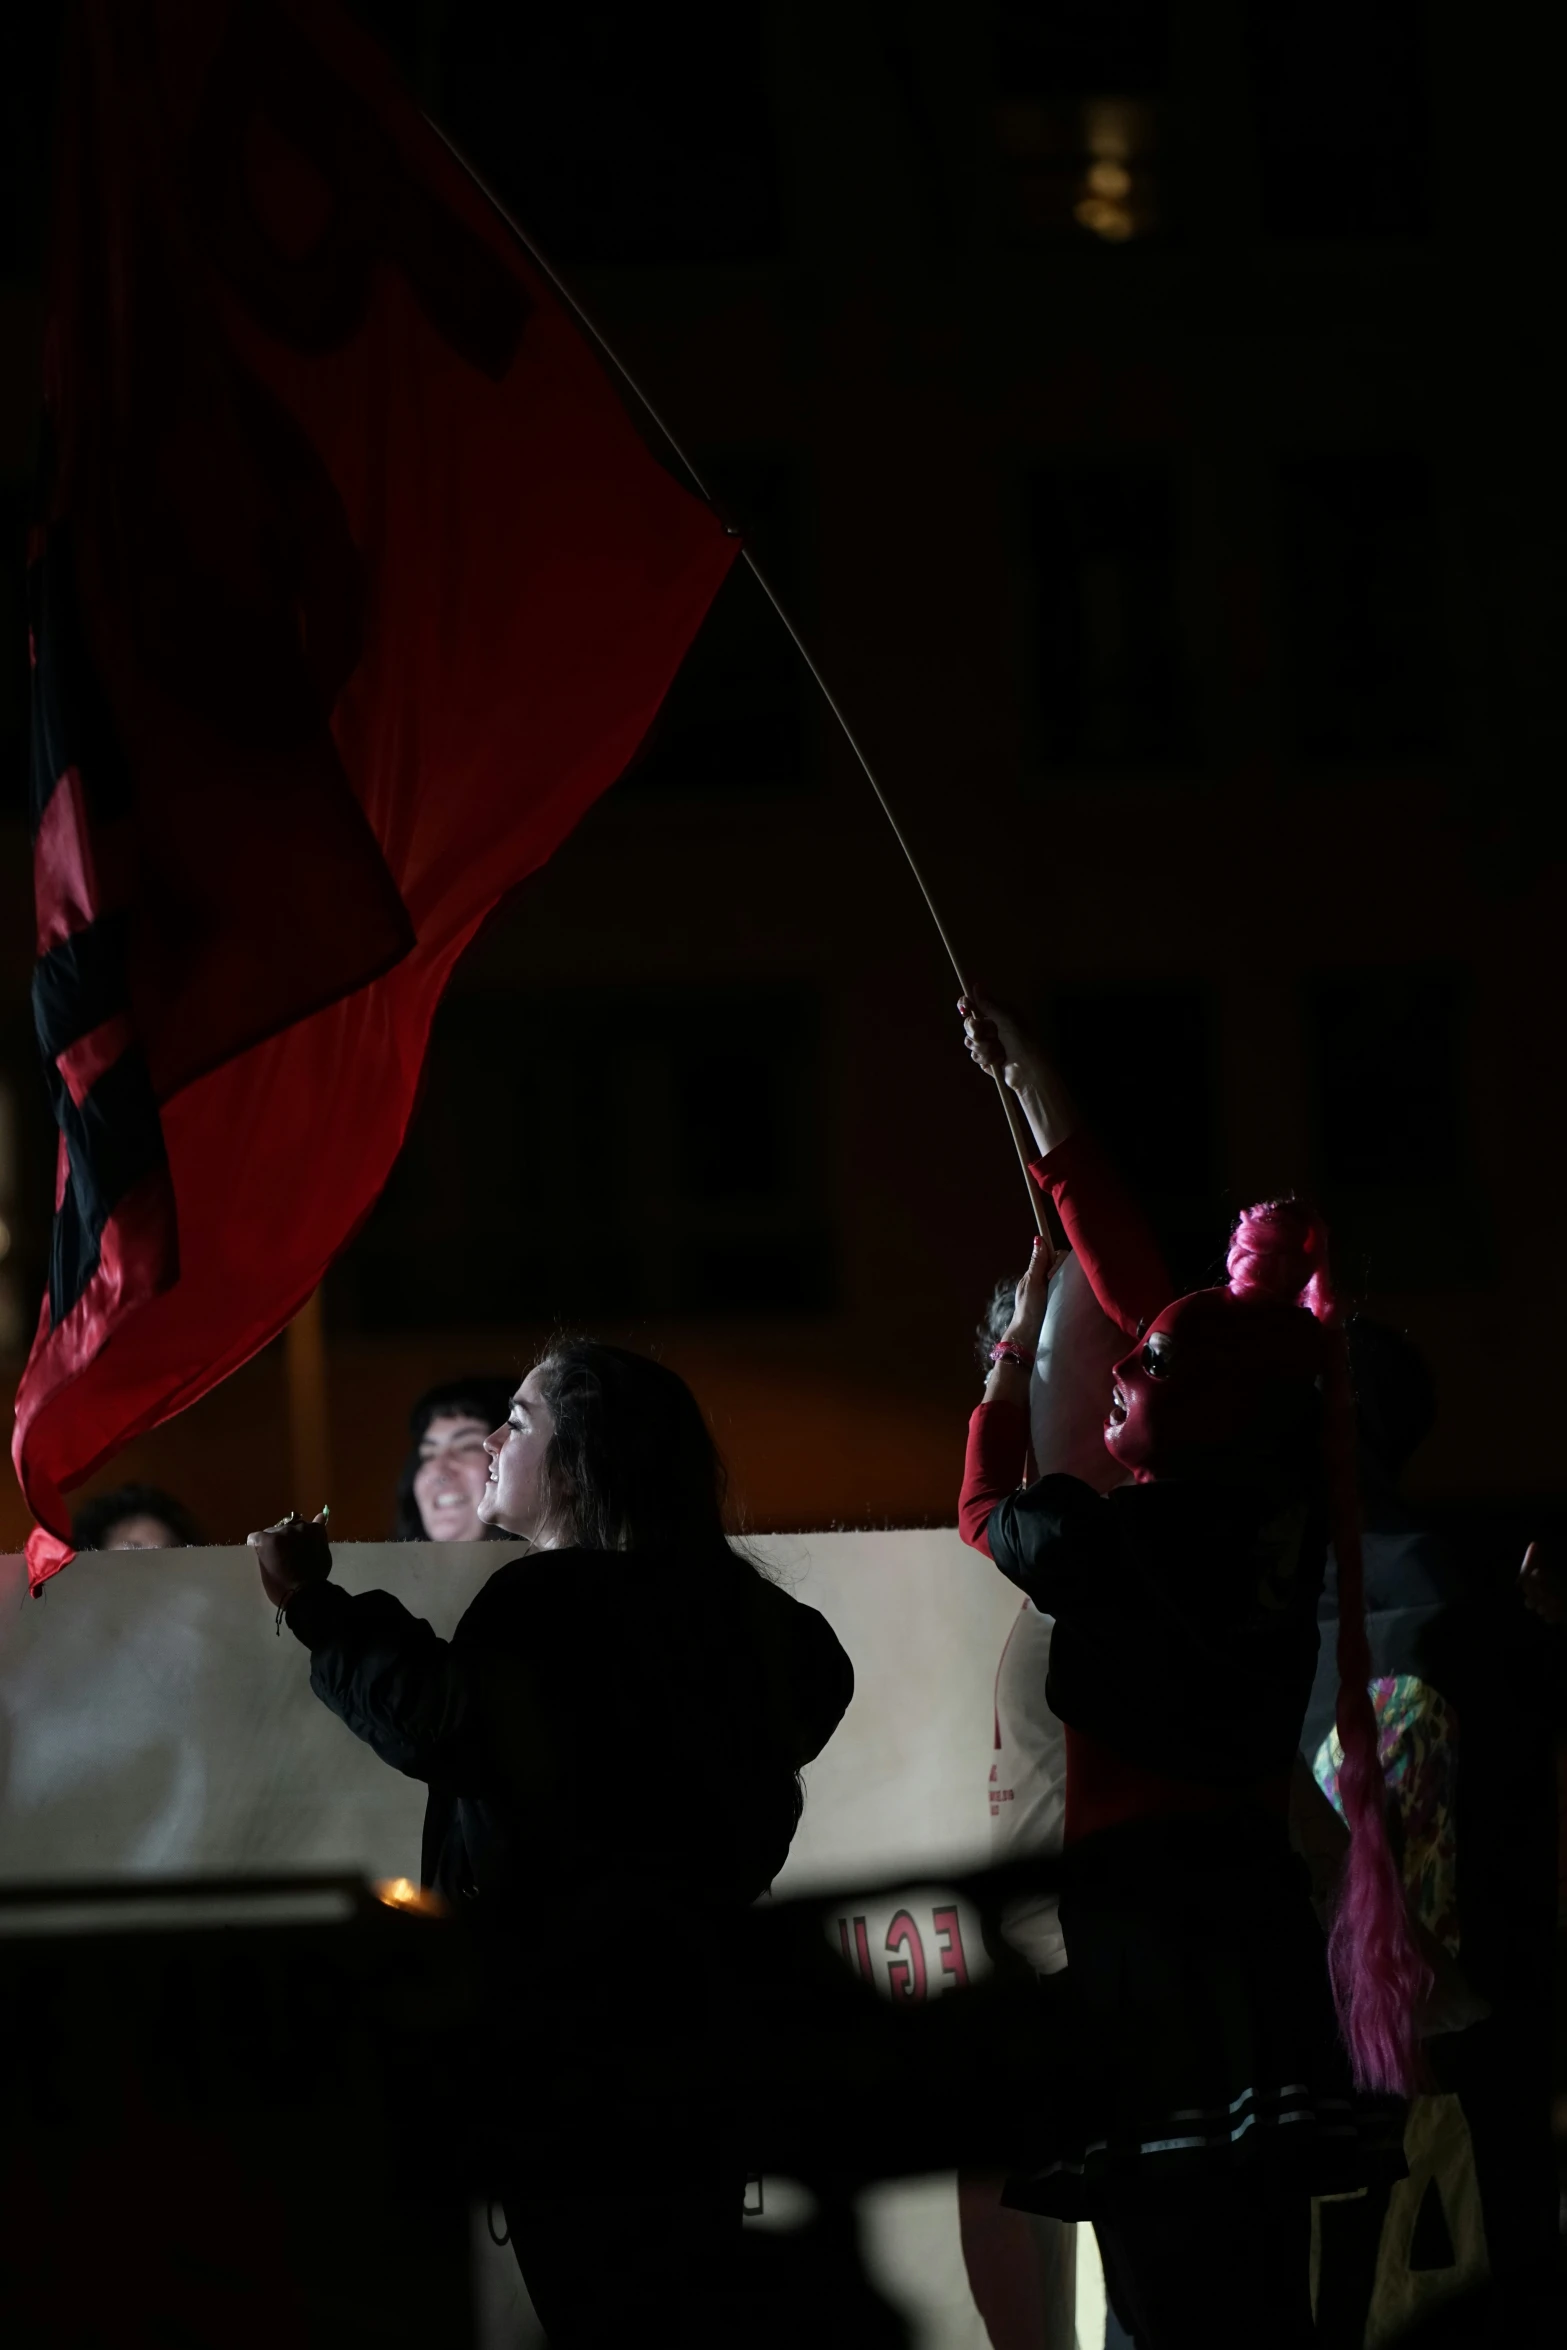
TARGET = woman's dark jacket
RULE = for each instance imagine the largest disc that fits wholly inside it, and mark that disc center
(598, 1721)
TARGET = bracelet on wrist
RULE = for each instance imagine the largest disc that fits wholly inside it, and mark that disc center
(1007, 1350)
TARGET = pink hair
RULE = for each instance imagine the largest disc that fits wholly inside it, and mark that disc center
(1279, 1250)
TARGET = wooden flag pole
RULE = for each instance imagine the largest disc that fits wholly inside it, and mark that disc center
(1022, 1141)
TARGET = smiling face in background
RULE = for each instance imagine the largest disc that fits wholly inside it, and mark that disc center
(516, 1497)
(451, 1478)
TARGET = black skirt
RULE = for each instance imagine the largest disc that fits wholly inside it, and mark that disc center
(1198, 2038)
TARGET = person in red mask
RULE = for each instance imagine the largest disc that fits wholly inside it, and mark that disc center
(1207, 2088)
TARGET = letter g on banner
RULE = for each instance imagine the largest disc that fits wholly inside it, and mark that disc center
(301, 194)
(905, 1973)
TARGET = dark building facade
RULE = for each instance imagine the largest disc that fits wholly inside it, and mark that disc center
(1141, 412)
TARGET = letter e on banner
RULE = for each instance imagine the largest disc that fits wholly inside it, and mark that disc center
(949, 1937)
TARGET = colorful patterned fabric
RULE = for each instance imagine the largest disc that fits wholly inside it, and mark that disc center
(1417, 1741)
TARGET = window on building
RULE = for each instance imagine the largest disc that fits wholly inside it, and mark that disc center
(1109, 656)
(618, 133)
(1340, 97)
(1079, 105)
(1142, 1064)
(1391, 1132)
(1360, 563)
(604, 1156)
(740, 714)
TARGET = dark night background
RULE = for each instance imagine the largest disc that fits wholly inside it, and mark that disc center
(1145, 413)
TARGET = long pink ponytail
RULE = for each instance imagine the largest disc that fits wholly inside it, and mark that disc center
(1279, 1250)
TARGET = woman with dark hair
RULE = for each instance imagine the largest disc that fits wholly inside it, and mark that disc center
(612, 1740)
(134, 1517)
(443, 1479)
(1205, 2094)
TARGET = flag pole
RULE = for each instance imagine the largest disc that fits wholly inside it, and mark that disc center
(1022, 1141)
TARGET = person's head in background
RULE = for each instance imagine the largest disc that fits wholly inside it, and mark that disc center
(996, 1323)
(134, 1517)
(447, 1467)
(1395, 1399)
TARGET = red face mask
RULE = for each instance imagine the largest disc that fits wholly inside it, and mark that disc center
(1203, 1382)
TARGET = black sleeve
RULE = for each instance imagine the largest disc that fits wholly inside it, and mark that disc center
(1055, 1541)
(389, 1677)
(823, 1683)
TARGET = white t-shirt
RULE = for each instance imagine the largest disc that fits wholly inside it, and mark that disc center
(1068, 1398)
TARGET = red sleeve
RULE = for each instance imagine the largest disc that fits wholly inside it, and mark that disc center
(992, 1466)
(1107, 1229)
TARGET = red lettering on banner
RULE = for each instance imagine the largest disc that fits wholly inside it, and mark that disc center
(949, 1936)
(906, 1975)
(862, 1950)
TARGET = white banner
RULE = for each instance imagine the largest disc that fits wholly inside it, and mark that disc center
(150, 1722)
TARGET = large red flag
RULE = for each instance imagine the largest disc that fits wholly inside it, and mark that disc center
(356, 588)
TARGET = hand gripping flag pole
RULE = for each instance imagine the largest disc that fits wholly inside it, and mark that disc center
(1021, 1140)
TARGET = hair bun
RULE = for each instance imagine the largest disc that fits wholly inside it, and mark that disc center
(1278, 1250)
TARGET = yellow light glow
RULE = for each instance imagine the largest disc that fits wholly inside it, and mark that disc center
(1106, 220)
(1115, 128)
(403, 1893)
(1109, 179)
